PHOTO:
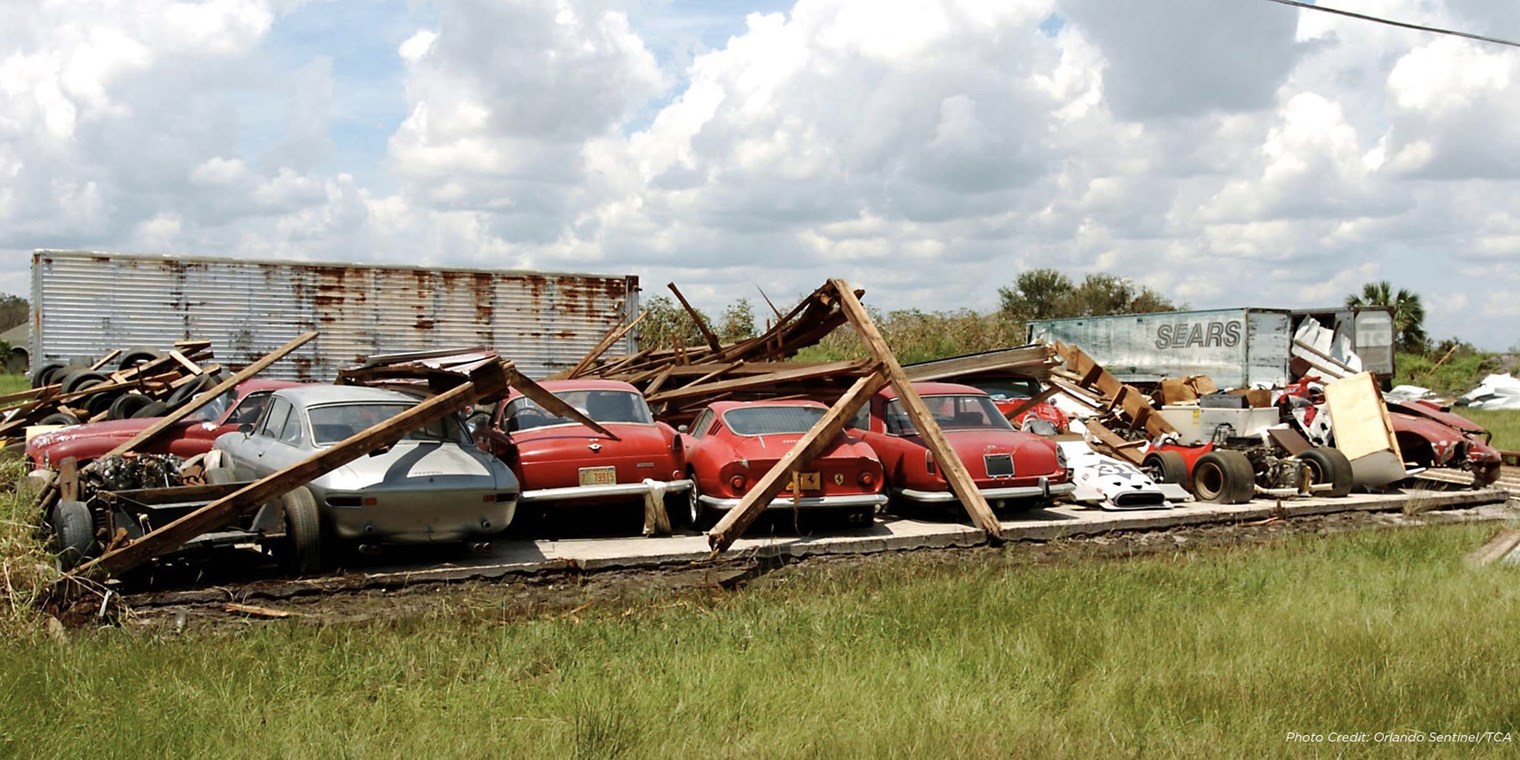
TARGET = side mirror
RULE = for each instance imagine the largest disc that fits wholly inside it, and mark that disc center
(682, 429)
(246, 429)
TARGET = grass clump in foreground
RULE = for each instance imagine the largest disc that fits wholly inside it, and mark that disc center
(26, 567)
(981, 654)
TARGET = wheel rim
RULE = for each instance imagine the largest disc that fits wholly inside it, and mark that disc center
(694, 505)
(1209, 480)
(1316, 473)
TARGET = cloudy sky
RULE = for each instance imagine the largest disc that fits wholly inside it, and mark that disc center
(1224, 152)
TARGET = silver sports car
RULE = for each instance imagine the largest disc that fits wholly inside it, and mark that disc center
(432, 486)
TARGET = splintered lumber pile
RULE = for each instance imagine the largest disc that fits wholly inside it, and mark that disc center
(419, 372)
(141, 383)
(679, 382)
(1118, 405)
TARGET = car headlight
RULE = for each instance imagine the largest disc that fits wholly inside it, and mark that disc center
(1061, 458)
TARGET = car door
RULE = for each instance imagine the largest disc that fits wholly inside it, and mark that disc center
(250, 456)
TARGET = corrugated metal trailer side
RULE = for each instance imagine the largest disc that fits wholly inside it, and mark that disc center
(1235, 347)
(86, 303)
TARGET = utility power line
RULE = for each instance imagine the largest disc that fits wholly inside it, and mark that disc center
(1400, 24)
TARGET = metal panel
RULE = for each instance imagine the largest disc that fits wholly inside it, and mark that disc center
(1148, 347)
(1267, 350)
(85, 304)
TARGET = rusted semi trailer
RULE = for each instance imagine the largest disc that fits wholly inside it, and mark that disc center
(86, 303)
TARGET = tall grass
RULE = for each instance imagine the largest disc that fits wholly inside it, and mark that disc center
(1503, 423)
(25, 565)
(917, 336)
(1213, 654)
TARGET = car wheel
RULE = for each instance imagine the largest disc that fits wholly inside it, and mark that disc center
(1165, 467)
(73, 533)
(303, 532)
(1485, 475)
(1224, 477)
(697, 513)
(1327, 465)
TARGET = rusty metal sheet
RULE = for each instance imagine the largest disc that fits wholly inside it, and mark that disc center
(85, 303)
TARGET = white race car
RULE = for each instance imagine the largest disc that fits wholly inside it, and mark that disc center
(1113, 484)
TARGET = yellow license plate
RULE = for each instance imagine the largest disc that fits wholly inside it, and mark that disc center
(598, 476)
(808, 481)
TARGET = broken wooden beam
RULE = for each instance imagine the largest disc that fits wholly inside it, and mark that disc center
(613, 336)
(696, 316)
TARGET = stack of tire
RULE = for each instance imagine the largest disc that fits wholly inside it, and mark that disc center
(119, 404)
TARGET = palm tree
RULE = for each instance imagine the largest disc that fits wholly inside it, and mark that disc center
(1408, 312)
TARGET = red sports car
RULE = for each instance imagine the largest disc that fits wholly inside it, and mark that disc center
(560, 462)
(731, 444)
(1007, 465)
(186, 438)
(1430, 436)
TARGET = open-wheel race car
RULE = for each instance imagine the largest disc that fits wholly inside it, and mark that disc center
(1009, 467)
(561, 463)
(731, 444)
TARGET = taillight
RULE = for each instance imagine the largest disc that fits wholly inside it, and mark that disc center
(370, 501)
(675, 444)
(867, 479)
(738, 482)
(929, 462)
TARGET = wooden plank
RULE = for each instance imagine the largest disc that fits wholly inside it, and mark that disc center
(115, 352)
(490, 380)
(807, 448)
(805, 373)
(1031, 402)
(707, 333)
(190, 366)
(613, 336)
(1113, 445)
(205, 397)
(934, 438)
(553, 403)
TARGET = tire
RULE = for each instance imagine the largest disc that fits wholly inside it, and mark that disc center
(303, 532)
(136, 356)
(59, 418)
(698, 515)
(100, 403)
(1224, 477)
(80, 380)
(1166, 467)
(127, 405)
(45, 373)
(1327, 465)
(183, 394)
(73, 532)
(151, 409)
(221, 476)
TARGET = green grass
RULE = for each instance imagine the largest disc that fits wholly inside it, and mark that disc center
(10, 383)
(1503, 423)
(1214, 654)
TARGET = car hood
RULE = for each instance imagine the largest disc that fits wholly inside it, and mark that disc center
(408, 462)
(122, 429)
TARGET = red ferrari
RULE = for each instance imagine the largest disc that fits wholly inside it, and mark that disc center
(560, 462)
(731, 444)
(1007, 465)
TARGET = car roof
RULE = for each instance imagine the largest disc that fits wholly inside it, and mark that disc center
(260, 384)
(312, 394)
(936, 389)
(723, 406)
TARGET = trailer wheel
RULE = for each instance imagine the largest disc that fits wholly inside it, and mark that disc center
(136, 356)
(1224, 477)
(44, 373)
(151, 409)
(1165, 467)
(303, 532)
(1327, 465)
(73, 533)
(59, 418)
(127, 405)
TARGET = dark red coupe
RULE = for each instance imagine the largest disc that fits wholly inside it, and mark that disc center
(1008, 466)
(731, 444)
(560, 462)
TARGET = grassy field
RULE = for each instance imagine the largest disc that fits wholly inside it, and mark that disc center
(10, 383)
(1504, 424)
(1221, 653)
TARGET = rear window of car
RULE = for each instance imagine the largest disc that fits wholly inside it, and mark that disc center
(770, 420)
(601, 406)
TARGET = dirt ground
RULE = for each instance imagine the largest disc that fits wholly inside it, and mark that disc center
(568, 593)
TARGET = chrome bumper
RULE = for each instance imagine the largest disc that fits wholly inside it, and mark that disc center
(577, 493)
(806, 502)
(1044, 490)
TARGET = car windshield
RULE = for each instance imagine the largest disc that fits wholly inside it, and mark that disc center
(766, 420)
(1008, 389)
(214, 410)
(602, 406)
(335, 422)
(951, 412)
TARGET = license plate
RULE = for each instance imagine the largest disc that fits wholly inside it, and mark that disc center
(808, 481)
(999, 465)
(598, 476)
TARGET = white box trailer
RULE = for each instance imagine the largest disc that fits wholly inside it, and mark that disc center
(86, 303)
(1235, 347)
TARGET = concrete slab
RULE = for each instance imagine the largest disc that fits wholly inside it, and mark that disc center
(893, 534)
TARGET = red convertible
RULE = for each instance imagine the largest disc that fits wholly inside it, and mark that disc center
(1007, 465)
(731, 444)
(559, 462)
(186, 438)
